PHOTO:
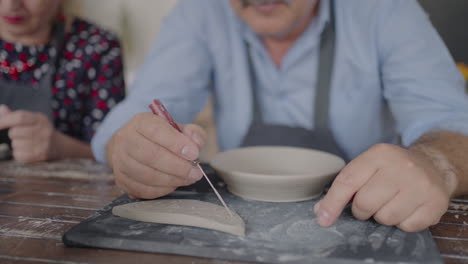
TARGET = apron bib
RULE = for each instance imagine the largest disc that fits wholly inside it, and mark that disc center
(18, 95)
(321, 138)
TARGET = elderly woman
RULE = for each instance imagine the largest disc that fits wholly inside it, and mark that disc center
(59, 76)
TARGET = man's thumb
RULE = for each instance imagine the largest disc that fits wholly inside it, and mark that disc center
(196, 133)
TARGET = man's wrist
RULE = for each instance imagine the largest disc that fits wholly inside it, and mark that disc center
(441, 164)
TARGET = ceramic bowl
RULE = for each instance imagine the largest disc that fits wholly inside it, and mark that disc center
(276, 174)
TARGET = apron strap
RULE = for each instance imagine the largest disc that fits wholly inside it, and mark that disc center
(324, 73)
(58, 39)
(327, 55)
(257, 116)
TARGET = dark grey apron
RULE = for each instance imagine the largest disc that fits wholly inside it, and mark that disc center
(261, 134)
(18, 95)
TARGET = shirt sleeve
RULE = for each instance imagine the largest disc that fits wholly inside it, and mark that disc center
(177, 71)
(422, 85)
(107, 87)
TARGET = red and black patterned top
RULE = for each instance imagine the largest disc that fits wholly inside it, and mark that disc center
(89, 80)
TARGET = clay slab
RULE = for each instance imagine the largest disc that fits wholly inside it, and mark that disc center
(183, 212)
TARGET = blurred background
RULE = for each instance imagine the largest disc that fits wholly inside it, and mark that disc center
(137, 22)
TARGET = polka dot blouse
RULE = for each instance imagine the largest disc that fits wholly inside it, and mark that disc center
(88, 82)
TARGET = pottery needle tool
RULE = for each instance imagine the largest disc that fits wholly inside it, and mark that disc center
(158, 109)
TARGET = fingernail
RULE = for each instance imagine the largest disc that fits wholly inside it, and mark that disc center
(195, 174)
(190, 153)
(323, 218)
(316, 207)
(198, 139)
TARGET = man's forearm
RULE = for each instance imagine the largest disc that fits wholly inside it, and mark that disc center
(448, 153)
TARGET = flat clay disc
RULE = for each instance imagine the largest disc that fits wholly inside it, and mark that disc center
(183, 212)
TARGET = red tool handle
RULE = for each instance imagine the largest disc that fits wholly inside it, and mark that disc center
(158, 109)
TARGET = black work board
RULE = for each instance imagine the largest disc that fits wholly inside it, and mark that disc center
(275, 233)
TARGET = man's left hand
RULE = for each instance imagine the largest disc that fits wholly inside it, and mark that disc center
(394, 185)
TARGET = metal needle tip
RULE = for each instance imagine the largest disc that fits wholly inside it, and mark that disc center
(214, 189)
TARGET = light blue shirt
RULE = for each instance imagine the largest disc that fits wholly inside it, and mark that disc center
(392, 75)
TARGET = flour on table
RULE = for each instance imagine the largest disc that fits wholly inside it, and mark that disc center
(81, 169)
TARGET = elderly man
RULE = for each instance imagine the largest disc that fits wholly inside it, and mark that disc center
(368, 80)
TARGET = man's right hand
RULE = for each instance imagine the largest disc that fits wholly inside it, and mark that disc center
(151, 159)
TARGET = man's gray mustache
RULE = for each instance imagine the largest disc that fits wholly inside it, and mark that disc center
(246, 3)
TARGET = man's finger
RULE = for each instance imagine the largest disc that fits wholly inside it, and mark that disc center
(421, 219)
(160, 132)
(149, 176)
(398, 209)
(139, 190)
(161, 159)
(346, 184)
(372, 197)
(196, 133)
(17, 118)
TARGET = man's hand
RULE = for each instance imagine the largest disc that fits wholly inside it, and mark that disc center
(151, 159)
(32, 135)
(394, 185)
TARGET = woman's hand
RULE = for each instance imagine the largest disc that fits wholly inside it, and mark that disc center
(33, 137)
(396, 186)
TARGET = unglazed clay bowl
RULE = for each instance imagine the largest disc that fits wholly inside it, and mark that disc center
(276, 174)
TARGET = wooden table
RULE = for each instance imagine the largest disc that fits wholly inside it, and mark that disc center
(35, 210)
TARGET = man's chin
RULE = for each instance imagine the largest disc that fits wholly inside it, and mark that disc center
(268, 10)
(272, 35)
(270, 31)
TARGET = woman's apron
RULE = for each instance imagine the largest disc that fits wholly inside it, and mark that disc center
(321, 138)
(19, 95)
